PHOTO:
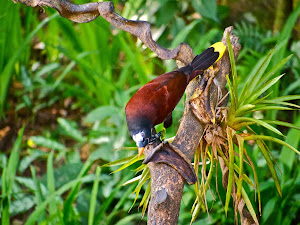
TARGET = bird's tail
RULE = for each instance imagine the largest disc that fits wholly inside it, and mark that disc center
(206, 59)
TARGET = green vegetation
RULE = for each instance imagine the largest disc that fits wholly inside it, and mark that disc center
(63, 89)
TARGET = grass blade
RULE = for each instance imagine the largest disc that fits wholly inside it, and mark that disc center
(277, 102)
(261, 90)
(234, 72)
(8, 177)
(253, 85)
(282, 123)
(7, 72)
(134, 159)
(275, 69)
(293, 137)
(120, 161)
(51, 184)
(241, 157)
(231, 169)
(256, 121)
(249, 206)
(39, 209)
(94, 197)
(273, 139)
(38, 193)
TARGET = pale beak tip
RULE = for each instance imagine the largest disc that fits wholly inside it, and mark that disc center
(141, 150)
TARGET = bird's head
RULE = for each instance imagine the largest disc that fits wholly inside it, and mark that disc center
(141, 139)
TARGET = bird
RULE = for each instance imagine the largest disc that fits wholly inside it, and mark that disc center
(154, 102)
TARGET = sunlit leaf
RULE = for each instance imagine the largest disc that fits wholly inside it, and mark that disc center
(261, 90)
(257, 121)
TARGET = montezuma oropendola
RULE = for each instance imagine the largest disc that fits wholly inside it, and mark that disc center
(153, 103)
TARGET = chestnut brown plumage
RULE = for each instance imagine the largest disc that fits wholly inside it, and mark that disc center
(154, 102)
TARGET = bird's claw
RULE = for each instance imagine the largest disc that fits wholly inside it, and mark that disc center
(172, 156)
(155, 137)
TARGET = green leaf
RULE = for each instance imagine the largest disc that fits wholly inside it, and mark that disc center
(269, 161)
(48, 143)
(137, 178)
(181, 36)
(293, 138)
(261, 90)
(39, 209)
(260, 122)
(255, 179)
(273, 139)
(271, 107)
(146, 194)
(68, 210)
(231, 169)
(274, 70)
(70, 130)
(276, 102)
(27, 160)
(207, 9)
(244, 109)
(282, 123)
(101, 113)
(145, 176)
(233, 90)
(8, 177)
(51, 184)
(286, 98)
(244, 94)
(236, 168)
(232, 108)
(254, 82)
(269, 208)
(249, 206)
(38, 193)
(93, 200)
(121, 161)
(6, 74)
(134, 159)
(241, 158)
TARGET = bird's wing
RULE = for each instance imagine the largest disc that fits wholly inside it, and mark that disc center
(164, 93)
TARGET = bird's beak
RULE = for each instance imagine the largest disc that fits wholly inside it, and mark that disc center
(141, 150)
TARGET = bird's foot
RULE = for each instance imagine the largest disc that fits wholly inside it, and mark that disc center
(155, 137)
(172, 156)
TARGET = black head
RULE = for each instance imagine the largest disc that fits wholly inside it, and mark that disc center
(140, 130)
(142, 138)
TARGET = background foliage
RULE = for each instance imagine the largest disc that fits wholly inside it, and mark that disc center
(63, 89)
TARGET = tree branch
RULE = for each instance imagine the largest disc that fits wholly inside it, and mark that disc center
(166, 183)
(142, 29)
